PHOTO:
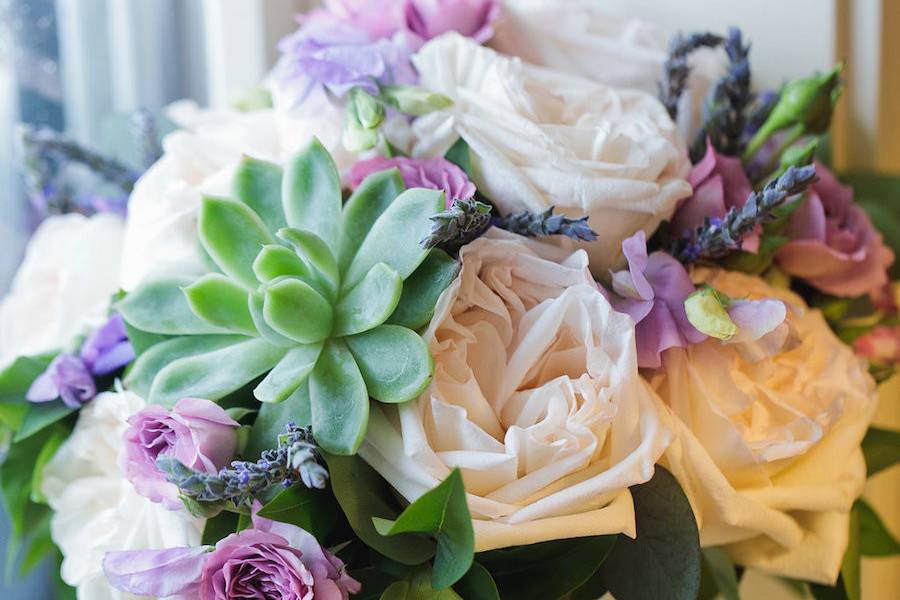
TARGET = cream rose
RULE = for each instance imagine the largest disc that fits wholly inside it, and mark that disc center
(64, 285)
(201, 158)
(96, 508)
(768, 452)
(535, 397)
(579, 37)
(540, 139)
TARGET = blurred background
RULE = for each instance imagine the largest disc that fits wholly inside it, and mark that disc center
(84, 66)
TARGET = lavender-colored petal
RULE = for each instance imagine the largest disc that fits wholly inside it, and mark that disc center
(755, 318)
(114, 358)
(69, 378)
(156, 573)
(43, 389)
(635, 250)
(107, 349)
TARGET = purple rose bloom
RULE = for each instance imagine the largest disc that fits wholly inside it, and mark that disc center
(197, 432)
(379, 18)
(652, 291)
(471, 18)
(431, 173)
(720, 184)
(67, 377)
(107, 349)
(269, 560)
(834, 245)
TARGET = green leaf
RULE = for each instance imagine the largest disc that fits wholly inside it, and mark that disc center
(851, 565)
(317, 256)
(215, 374)
(275, 261)
(311, 510)
(395, 235)
(365, 205)
(370, 303)
(17, 378)
(295, 310)
(460, 156)
(48, 450)
(289, 373)
(219, 527)
(41, 415)
(414, 100)
(340, 404)
(881, 448)
(39, 547)
(312, 194)
(394, 361)
(238, 412)
(875, 539)
(664, 561)
(273, 417)
(257, 184)
(422, 289)
(721, 568)
(442, 513)
(160, 306)
(145, 369)
(12, 414)
(566, 566)
(142, 341)
(256, 304)
(419, 586)
(233, 235)
(362, 495)
(592, 589)
(477, 584)
(221, 302)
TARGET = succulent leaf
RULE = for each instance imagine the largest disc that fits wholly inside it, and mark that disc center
(394, 361)
(160, 306)
(256, 304)
(275, 261)
(422, 289)
(220, 301)
(317, 256)
(232, 234)
(297, 311)
(339, 400)
(312, 194)
(370, 303)
(290, 372)
(363, 208)
(257, 183)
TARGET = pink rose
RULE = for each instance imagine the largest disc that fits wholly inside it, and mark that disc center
(431, 173)
(834, 246)
(197, 432)
(379, 18)
(471, 18)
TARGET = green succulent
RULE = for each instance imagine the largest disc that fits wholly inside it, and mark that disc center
(318, 297)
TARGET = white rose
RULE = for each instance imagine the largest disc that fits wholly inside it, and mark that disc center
(578, 37)
(535, 397)
(768, 452)
(540, 139)
(64, 285)
(161, 230)
(96, 509)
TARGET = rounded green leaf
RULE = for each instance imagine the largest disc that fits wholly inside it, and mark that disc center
(394, 361)
(339, 402)
(363, 208)
(220, 301)
(161, 307)
(311, 194)
(297, 311)
(395, 235)
(317, 256)
(233, 235)
(288, 374)
(370, 303)
(256, 304)
(275, 261)
(422, 289)
(257, 183)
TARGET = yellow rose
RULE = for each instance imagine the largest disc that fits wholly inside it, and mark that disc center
(768, 452)
(536, 398)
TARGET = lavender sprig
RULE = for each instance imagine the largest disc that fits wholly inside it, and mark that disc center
(464, 221)
(295, 459)
(676, 69)
(546, 223)
(717, 238)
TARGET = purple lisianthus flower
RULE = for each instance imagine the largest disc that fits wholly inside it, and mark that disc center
(269, 560)
(108, 349)
(431, 173)
(720, 184)
(834, 246)
(379, 18)
(652, 291)
(67, 377)
(471, 18)
(197, 432)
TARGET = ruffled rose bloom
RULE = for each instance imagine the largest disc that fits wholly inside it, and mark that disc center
(196, 432)
(580, 37)
(379, 18)
(535, 397)
(430, 173)
(540, 139)
(471, 18)
(96, 509)
(63, 287)
(201, 158)
(834, 245)
(768, 452)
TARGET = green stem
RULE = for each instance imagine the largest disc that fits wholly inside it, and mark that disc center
(795, 134)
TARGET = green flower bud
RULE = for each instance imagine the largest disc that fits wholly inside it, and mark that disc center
(414, 101)
(369, 111)
(705, 310)
(357, 138)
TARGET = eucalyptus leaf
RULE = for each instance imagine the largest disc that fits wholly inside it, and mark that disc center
(161, 307)
(394, 361)
(272, 418)
(340, 404)
(318, 257)
(875, 538)
(422, 289)
(275, 261)
(41, 415)
(221, 302)
(233, 235)
(419, 586)
(289, 373)
(395, 235)
(460, 155)
(219, 527)
(215, 374)
(257, 183)
(722, 570)
(297, 311)
(311, 194)
(370, 303)
(311, 510)
(363, 208)
(851, 565)
(477, 584)
(442, 513)
(57, 436)
(881, 447)
(16, 379)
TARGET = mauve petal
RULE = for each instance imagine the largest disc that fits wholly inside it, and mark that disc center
(704, 168)
(657, 332)
(43, 389)
(635, 250)
(708, 201)
(735, 184)
(808, 221)
(192, 409)
(113, 358)
(156, 573)
(832, 271)
(755, 318)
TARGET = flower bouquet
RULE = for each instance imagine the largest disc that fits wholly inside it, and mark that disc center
(457, 305)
